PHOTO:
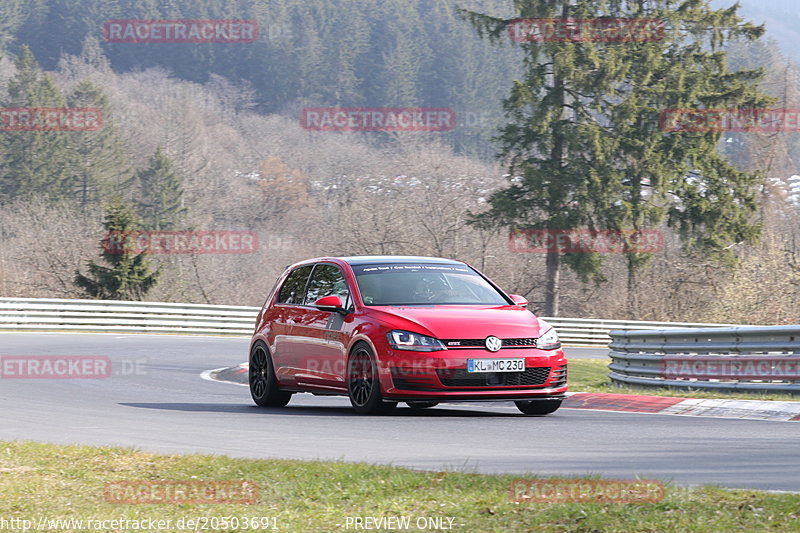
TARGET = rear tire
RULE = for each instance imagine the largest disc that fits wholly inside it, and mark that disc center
(363, 386)
(421, 405)
(538, 407)
(263, 384)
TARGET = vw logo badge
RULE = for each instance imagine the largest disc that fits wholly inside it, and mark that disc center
(493, 343)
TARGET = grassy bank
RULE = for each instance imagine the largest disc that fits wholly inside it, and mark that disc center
(57, 482)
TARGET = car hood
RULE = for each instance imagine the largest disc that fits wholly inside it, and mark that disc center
(464, 321)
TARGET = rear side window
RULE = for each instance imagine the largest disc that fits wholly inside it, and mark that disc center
(327, 280)
(294, 288)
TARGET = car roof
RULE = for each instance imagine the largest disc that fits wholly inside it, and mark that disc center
(382, 259)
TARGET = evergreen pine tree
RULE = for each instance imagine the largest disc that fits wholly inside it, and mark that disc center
(161, 200)
(128, 276)
(34, 162)
(100, 169)
(583, 134)
(12, 15)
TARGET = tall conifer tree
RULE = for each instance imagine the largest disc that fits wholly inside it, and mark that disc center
(128, 276)
(584, 144)
(161, 200)
(34, 162)
(100, 167)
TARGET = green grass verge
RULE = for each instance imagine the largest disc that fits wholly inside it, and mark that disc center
(62, 482)
(591, 375)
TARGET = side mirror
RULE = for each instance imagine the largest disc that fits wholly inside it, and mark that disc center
(518, 300)
(330, 303)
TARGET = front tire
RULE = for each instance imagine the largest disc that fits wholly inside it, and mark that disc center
(263, 384)
(363, 386)
(538, 407)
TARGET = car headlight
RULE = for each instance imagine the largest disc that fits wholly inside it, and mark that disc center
(548, 341)
(406, 340)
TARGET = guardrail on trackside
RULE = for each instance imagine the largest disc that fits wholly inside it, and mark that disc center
(743, 358)
(45, 314)
(41, 314)
(595, 331)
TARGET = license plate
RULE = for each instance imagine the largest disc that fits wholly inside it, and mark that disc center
(495, 365)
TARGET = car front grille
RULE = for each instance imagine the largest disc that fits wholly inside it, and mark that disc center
(462, 378)
(455, 344)
(519, 342)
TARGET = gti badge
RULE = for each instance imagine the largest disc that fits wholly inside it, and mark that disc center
(493, 343)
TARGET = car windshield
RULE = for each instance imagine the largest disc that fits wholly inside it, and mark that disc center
(424, 284)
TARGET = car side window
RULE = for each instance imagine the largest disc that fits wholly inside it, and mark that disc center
(327, 280)
(294, 288)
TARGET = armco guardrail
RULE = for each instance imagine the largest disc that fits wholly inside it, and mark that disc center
(39, 314)
(595, 332)
(125, 317)
(751, 358)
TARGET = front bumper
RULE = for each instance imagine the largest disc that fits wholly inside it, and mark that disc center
(443, 376)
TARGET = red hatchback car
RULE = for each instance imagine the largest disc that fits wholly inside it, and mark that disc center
(383, 329)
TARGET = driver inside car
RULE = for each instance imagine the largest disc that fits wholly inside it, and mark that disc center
(437, 290)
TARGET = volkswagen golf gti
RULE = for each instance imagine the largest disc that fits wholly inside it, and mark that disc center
(389, 329)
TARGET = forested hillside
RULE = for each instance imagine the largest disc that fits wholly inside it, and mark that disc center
(208, 137)
(308, 52)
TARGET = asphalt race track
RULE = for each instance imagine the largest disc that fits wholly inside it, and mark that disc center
(156, 400)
